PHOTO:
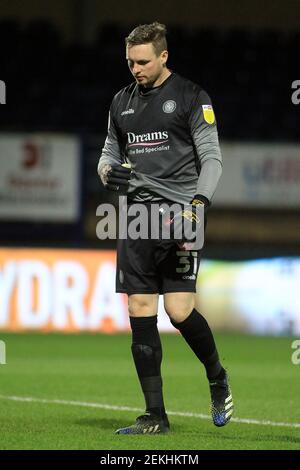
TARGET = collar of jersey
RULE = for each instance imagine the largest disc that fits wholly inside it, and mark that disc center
(150, 91)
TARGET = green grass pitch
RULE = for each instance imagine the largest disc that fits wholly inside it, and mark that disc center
(98, 369)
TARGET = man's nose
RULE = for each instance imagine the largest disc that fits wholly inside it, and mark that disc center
(136, 69)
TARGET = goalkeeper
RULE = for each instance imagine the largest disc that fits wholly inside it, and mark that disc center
(163, 126)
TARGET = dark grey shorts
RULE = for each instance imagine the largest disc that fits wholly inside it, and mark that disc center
(155, 266)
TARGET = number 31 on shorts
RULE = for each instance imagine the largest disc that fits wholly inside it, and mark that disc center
(185, 259)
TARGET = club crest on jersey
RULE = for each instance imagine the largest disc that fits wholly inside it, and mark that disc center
(169, 106)
(208, 113)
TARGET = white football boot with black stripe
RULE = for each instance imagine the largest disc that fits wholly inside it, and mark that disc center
(221, 401)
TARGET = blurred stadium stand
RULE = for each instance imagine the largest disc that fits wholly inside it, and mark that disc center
(54, 86)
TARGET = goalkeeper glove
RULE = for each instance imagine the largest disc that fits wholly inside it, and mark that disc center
(118, 177)
(186, 224)
(199, 199)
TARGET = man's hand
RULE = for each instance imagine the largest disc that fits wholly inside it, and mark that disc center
(103, 171)
(185, 225)
(116, 178)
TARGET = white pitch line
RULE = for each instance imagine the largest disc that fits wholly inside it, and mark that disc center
(127, 408)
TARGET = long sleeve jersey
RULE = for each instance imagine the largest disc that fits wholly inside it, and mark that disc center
(169, 136)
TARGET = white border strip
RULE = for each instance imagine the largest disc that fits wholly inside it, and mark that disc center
(127, 408)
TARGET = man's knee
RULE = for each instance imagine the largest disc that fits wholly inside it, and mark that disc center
(179, 305)
(142, 305)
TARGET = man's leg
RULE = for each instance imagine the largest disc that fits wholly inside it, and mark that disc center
(147, 354)
(180, 307)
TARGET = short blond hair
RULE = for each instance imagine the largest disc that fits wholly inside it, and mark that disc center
(154, 33)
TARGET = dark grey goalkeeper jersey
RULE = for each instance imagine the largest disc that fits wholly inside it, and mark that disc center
(169, 136)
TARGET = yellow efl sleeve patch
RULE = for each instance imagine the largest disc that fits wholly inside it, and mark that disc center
(208, 113)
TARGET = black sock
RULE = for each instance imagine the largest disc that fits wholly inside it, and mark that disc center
(199, 337)
(147, 354)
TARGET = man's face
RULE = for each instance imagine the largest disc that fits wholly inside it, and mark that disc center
(145, 65)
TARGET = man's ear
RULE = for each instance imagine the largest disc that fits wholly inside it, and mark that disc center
(164, 57)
